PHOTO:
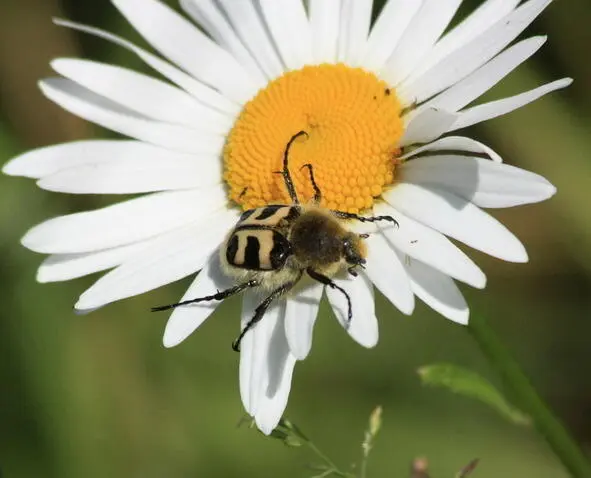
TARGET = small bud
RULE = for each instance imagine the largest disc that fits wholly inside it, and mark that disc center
(292, 441)
(375, 421)
(420, 468)
(285, 423)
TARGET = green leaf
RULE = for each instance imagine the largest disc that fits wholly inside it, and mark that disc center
(468, 383)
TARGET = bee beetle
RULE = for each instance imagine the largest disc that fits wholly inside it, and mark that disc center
(272, 247)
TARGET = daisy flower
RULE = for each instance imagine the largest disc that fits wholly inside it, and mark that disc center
(380, 104)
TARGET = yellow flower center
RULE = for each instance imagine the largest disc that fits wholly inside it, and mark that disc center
(353, 123)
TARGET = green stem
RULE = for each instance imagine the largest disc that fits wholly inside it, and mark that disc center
(291, 428)
(363, 467)
(366, 448)
(324, 475)
(333, 467)
(526, 397)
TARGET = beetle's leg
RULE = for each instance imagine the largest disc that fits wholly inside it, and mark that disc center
(349, 215)
(328, 282)
(259, 312)
(218, 296)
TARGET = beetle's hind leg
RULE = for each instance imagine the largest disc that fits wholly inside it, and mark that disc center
(357, 217)
(217, 296)
(259, 312)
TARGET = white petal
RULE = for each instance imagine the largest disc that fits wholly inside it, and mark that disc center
(364, 324)
(487, 111)
(249, 26)
(280, 363)
(177, 39)
(97, 109)
(455, 143)
(167, 260)
(85, 311)
(208, 16)
(143, 94)
(203, 93)
(438, 291)
(483, 79)
(427, 125)
(354, 30)
(186, 319)
(123, 223)
(474, 24)
(300, 314)
(457, 218)
(60, 267)
(429, 246)
(472, 55)
(134, 175)
(324, 27)
(482, 182)
(424, 30)
(254, 350)
(386, 271)
(63, 165)
(387, 30)
(250, 301)
(290, 29)
(51, 159)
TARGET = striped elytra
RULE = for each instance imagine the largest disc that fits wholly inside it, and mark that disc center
(257, 242)
(268, 215)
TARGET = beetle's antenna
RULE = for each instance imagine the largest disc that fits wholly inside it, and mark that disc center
(317, 193)
(285, 172)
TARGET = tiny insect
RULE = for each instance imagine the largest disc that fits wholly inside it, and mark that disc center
(272, 247)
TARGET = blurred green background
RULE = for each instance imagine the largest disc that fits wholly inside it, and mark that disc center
(99, 396)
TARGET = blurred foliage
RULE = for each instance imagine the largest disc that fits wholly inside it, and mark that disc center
(291, 436)
(98, 396)
(463, 381)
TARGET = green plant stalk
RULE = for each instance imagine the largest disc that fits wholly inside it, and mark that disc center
(363, 467)
(332, 467)
(525, 396)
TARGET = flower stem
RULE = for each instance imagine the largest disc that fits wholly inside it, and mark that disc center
(333, 469)
(363, 467)
(525, 396)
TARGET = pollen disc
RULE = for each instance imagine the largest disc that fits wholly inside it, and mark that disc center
(353, 123)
